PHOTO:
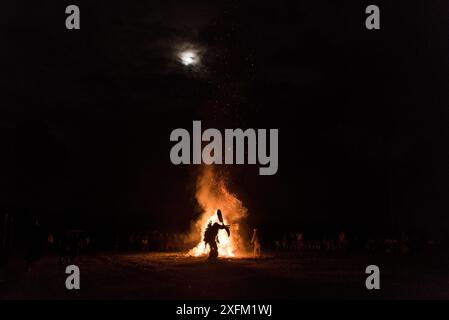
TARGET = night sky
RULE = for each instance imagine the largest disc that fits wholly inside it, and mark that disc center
(86, 116)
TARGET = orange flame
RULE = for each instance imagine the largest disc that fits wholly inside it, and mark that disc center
(212, 194)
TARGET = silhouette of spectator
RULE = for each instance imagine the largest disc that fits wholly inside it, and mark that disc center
(73, 247)
(33, 244)
(63, 249)
(256, 243)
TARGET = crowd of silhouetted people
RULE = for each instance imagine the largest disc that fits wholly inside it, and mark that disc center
(30, 239)
(402, 244)
(152, 241)
(296, 241)
(68, 244)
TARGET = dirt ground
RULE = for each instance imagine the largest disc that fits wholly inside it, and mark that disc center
(306, 275)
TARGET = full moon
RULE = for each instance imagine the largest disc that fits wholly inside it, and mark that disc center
(188, 58)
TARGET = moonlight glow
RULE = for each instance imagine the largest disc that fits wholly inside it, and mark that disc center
(188, 57)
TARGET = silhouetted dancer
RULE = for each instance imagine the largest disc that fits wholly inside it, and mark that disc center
(210, 235)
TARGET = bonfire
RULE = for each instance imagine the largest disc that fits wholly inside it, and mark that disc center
(212, 194)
